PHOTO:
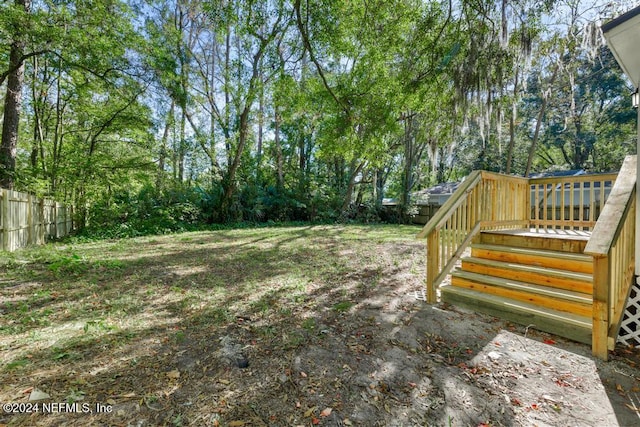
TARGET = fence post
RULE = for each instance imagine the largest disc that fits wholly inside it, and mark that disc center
(30, 225)
(64, 220)
(5, 220)
(43, 226)
(55, 219)
(14, 219)
(433, 265)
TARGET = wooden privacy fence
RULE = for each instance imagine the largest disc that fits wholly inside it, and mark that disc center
(27, 220)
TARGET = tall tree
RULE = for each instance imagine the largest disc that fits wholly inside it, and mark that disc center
(13, 98)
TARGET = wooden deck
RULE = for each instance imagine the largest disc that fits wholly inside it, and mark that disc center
(583, 235)
(544, 251)
(568, 241)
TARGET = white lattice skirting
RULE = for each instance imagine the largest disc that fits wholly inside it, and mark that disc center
(630, 327)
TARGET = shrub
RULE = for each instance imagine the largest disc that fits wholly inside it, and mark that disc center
(150, 211)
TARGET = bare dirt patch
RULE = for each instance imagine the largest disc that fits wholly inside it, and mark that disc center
(280, 327)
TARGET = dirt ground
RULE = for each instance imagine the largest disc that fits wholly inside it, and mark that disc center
(397, 361)
(385, 358)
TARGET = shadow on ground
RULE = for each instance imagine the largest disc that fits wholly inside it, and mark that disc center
(331, 324)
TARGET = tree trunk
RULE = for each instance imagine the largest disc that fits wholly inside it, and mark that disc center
(13, 105)
(229, 181)
(379, 181)
(260, 131)
(37, 126)
(512, 124)
(536, 133)
(58, 133)
(227, 95)
(279, 156)
(182, 146)
(512, 137)
(162, 157)
(408, 166)
(375, 187)
(354, 171)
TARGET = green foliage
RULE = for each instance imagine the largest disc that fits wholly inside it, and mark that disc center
(185, 113)
(97, 325)
(271, 205)
(589, 124)
(149, 211)
(343, 306)
(64, 265)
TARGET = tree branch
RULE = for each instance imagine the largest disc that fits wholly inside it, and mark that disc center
(307, 44)
(24, 57)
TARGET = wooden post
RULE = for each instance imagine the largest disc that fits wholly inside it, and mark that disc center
(600, 334)
(30, 226)
(41, 237)
(5, 220)
(55, 219)
(433, 257)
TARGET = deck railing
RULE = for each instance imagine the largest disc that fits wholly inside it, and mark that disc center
(572, 202)
(484, 200)
(612, 246)
(487, 200)
(604, 204)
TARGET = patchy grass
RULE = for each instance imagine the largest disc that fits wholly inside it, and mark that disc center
(100, 321)
(288, 326)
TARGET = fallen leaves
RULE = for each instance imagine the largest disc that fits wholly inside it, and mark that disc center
(329, 370)
(36, 395)
(173, 375)
(326, 412)
(124, 396)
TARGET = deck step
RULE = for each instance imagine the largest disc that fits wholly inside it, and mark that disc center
(574, 327)
(551, 239)
(543, 296)
(579, 263)
(553, 277)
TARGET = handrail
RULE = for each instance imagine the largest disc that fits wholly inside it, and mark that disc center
(574, 178)
(603, 203)
(612, 246)
(451, 203)
(484, 200)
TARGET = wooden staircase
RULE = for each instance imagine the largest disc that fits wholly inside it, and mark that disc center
(557, 253)
(531, 277)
